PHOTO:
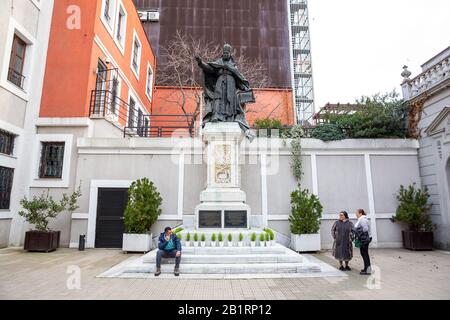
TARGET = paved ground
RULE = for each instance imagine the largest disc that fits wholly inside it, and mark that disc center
(403, 275)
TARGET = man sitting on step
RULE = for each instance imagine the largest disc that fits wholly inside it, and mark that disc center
(169, 247)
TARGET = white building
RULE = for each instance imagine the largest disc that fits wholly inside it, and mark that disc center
(24, 34)
(429, 95)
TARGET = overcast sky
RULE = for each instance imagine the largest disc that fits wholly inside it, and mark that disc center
(360, 46)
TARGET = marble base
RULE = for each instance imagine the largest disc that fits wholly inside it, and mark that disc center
(222, 207)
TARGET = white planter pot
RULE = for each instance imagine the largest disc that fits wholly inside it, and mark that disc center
(240, 244)
(262, 243)
(305, 242)
(187, 243)
(195, 244)
(203, 243)
(221, 244)
(213, 244)
(136, 242)
(253, 244)
(229, 244)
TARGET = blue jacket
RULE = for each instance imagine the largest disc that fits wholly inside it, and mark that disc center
(163, 242)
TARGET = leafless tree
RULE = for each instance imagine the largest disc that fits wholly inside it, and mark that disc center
(179, 69)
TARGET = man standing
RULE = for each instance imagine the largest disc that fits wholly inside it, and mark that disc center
(169, 246)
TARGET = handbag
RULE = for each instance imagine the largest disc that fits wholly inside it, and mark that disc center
(357, 243)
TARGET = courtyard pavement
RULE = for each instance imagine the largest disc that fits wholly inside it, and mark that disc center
(71, 274)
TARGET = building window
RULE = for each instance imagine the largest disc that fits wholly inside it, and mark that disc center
(115, 94)
(6, 142)
(107, 11)
(52, 158)
(136, 55)
(149, 82)
(6, 181)
(131, 112)
(121, 26)
(16, 62)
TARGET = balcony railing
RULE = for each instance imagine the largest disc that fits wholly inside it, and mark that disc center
(16, 78)
(134, 122)
(426, 80)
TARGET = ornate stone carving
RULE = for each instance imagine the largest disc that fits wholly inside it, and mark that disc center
(222, 156)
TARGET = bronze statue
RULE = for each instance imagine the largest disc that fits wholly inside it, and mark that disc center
(226, 91)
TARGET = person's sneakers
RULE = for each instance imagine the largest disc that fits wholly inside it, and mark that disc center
(157, 272)
(176, 272)
(342, 268)
(365, 273)
(348, 268)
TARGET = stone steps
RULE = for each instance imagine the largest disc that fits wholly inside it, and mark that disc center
(275, 249)
(224, 259)
(228, 268)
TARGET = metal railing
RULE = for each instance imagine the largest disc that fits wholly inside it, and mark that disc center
(16, 78)
(137, 123)
(163, 126)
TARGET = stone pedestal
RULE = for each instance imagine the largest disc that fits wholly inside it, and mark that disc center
(222, 203)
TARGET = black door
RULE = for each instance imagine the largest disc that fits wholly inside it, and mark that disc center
(111, 205)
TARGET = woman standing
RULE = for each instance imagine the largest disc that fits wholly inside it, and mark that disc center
(342, 245)
(363, 236)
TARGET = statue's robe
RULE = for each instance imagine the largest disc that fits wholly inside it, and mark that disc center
(221, 84)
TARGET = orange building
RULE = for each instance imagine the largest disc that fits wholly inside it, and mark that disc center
(270, 103)
(100, 63)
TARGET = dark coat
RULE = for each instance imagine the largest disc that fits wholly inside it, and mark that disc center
(343, 240)
(162, 243)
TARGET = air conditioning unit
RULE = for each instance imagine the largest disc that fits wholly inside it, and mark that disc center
(149, 15)
(153, 16)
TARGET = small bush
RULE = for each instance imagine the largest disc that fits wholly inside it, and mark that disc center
(268, 124)
(203, 237)
(267, 235)
(195, 237)
(295, 132)
(305, 213)
(179, 236)
(188, 237)
(328, 132)
(230, 237)
(213, 237)
(271, 233)
(143, 207)
(262, 237)
(413, 208)
(253, 237)
(241, 236)
(220, 236)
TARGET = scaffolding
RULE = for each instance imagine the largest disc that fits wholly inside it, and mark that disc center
(301, 63)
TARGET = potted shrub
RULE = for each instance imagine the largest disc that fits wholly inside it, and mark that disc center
(305, 221)
(220, 239)
(203, 240)
(230, 240)
(38, 212)
(271, 236)
(262, 239)
(253, 239)
(142, 211)
(267, 236)
(196, 239)
(213, 240)
(187, 243)
(241, 240)
(413, 210)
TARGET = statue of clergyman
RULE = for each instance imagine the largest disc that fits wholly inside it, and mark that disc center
(226, 91)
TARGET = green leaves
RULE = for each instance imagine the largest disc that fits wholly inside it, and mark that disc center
(380, 116)
(306, 212)
(41, 208)
(268, 124)
(328, 132)
(413, 208)
(143, 208)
